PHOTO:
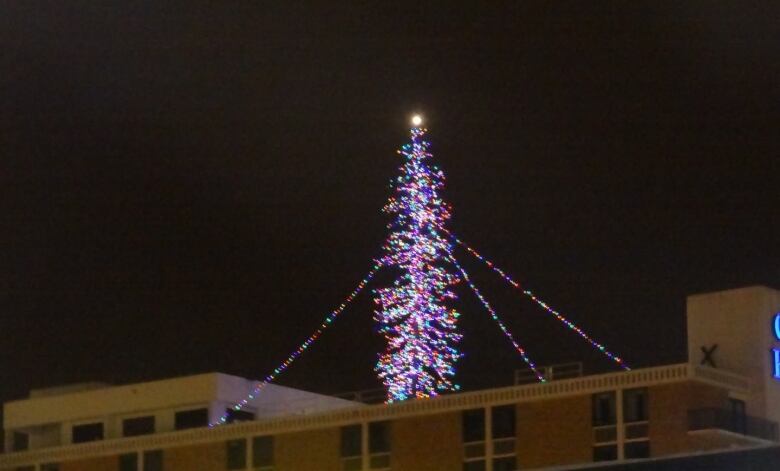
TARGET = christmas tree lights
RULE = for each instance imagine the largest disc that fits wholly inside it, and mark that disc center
(414, 313)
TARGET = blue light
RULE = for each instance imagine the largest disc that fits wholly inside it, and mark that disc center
(776, 324)
(776, 361)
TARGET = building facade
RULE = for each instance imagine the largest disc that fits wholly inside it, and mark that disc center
(723, 398)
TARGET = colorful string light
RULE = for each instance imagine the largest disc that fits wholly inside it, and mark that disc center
(547, 308)
(303, 346)
(414, 313)
(495, 317)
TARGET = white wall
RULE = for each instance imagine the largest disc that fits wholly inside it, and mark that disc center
(49, 418)
(740, 322)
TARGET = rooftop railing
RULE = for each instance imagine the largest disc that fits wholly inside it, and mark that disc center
(550, 373)
(366, 396)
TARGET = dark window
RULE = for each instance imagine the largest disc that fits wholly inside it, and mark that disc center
(605, 453)
(636, 450)
(350, 440)
(191, 419)
(504, 464)
(473, 425)
(738, 417)
(128, 462)
(50, 467)
(379, 437)
(153, 460)
(21, 441)
(233, 416)
(236, 454)
(262, 451)
(503, 421)
(138, 426)
(87, 432)
(474, 466)
(635, 405)
(604, 409)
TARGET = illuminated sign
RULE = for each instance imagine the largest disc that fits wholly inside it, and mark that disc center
(776, 325)
(776, 351)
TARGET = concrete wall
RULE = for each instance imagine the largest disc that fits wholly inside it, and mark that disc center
(206, 457)
(431, 443)
(53, 414)
(740, 322)
(120, 400)
(101, 463)
(554, 432)
(668, 407)
(315, 450)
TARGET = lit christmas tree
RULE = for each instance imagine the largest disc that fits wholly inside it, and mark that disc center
(414, 315)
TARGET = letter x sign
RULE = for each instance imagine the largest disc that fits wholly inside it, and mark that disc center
(707, 358)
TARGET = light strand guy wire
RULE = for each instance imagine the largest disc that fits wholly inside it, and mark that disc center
(498, 320)
(546, 307)
(303, 346)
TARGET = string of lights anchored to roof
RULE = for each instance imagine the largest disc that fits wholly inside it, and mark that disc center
(415, 312)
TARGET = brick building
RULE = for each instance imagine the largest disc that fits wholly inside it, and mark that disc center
(725, 398)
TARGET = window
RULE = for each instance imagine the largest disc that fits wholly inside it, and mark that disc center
(378, 437)
(369, 444)
(473, 433)
(504, 464)
(503, 419)
(627, 438)
(351, 448)
(87, 432)
(605, 453)
(379, 445)
(474, 465)
(633, 450)
(604, 409)
(263, 452)
(502, 425)
(738, 417)
(50, 467)
(474, 425)
(635, 425)
(138, 426)
(191, 419)
(635, 405)
(21, 441)
(236, 454)
(153, 460)
(128, 462)
(350, 440)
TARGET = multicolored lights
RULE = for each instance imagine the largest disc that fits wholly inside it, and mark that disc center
(303, 346)
(500, 323)
(571, 325)
(414, 313)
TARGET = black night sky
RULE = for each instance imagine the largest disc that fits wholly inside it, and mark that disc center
(192, 186)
